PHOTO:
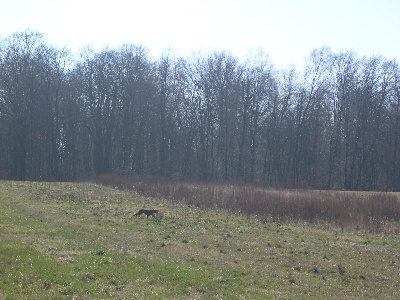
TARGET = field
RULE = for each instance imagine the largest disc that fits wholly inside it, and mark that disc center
(81, 241)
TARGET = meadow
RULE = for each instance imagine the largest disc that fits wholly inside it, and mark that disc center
(81, 241)
(376, 212)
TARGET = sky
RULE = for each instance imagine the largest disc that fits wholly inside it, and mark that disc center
(286, 30)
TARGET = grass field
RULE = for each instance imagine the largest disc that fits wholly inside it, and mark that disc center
(81, 241)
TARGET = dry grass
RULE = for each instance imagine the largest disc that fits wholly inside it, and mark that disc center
(81, 241)
(368, 211)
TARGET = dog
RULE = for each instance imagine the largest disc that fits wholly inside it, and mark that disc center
(147, 212)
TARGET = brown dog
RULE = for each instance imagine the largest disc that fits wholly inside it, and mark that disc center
(147, 212)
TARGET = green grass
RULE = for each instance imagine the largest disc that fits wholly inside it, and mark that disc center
(81, 241)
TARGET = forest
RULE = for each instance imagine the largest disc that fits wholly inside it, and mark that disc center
(334, 124)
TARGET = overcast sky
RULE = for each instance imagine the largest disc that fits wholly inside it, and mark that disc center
(287, 30)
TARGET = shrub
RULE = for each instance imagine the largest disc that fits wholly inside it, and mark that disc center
(374, 212)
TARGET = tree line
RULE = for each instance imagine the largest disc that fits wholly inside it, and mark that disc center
(334, 124)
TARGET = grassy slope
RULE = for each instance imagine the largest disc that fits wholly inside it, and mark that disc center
(81, 241)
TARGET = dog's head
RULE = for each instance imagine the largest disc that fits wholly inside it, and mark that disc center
(139, 212)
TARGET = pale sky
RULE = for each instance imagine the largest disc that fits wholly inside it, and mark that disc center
(287, 30)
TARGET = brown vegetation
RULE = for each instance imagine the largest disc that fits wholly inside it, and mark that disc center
(372, 212)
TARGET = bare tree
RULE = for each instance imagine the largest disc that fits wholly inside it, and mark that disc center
(30, 80)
